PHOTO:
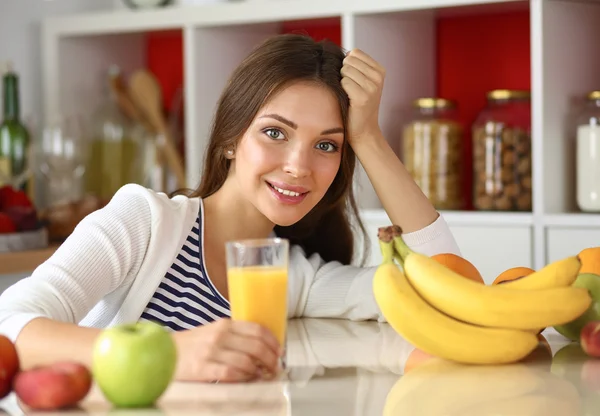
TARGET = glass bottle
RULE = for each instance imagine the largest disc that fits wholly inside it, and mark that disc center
(587, 152)
(14, 138)
(115, 149)
(502, 153)
(432, 151)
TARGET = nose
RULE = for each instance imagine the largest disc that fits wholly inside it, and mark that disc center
(298, 162)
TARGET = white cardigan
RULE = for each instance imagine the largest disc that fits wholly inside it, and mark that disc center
(108, 269)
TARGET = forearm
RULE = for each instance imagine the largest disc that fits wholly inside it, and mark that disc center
(402, 199)
(43, 341)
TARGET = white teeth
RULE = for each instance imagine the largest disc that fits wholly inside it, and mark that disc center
(285, 191)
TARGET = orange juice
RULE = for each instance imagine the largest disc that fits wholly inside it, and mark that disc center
(259, 294)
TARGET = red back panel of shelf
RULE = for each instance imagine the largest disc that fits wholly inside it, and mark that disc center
(475, 54)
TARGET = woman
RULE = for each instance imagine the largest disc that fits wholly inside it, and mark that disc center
(290, 123)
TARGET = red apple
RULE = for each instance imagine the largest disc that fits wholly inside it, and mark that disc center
(25, 218)
(56, 386)
(14, 198)
(590, 338)
(7, 226)
(9, 365)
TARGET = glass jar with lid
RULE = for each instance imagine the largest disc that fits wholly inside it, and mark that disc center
(432, 151)
(502, 153)
(587, 161)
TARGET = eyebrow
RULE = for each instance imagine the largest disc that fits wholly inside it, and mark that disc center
(295, 126)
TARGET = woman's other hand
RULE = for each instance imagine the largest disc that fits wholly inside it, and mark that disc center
(227, 351)
(362, 79)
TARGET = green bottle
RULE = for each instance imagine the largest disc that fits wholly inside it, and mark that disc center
(14, 137)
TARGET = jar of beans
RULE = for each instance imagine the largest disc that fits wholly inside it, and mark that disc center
(502, 153)
(432, 151)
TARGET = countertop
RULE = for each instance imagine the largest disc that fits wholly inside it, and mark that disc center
(339, 367)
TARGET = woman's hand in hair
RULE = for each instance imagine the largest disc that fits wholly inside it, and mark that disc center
(362, 79)
(226, 351)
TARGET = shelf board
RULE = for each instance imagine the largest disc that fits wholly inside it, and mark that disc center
(575, 219)
(468, 218)
(241, 12)
(24, 261)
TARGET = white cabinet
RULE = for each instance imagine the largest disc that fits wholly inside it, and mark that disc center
(491, 248)
(568, 241)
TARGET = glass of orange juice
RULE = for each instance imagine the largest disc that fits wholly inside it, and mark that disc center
(257, 276)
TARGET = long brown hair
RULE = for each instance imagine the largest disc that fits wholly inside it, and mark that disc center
(327, 229)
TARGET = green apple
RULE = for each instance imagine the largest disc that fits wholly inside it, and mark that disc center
(133, 364)
(572, 330)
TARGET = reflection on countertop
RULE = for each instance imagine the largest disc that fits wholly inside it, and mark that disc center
(339, 367)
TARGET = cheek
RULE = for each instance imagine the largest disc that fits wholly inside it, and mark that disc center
(255, 158)
(325, 171)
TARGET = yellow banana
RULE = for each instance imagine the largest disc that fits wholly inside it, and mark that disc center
(493, 306)
(556, 274)
(438, 334)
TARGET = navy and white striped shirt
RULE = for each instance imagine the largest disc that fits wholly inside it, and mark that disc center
(186, 298)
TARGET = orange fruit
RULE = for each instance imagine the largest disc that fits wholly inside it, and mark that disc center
(513, 273)
(590, 260)
(459, 265)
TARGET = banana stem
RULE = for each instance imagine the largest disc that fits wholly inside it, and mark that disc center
(384, 234)
(400, 246)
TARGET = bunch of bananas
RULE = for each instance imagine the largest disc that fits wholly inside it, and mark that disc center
(451, 317)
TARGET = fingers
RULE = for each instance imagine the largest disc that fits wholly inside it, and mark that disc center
(369, 72)
(362, 71)
(254, 350)
(223, 372)
(364, 57)
(254, 330)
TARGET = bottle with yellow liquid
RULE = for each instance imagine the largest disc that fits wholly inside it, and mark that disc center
(116, 150)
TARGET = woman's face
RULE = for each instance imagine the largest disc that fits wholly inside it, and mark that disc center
(291, 153)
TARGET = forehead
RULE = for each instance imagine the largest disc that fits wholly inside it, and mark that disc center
(304, 99)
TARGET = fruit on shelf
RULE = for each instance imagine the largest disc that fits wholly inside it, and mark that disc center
(133, 364)
(590, 260)
(9, 365)
(572, 329)
(459, 265)
(437, 333)
(7, 226)
(25, 218)
(17, 212)
(514, 273)
(493, 305)
(559, 273)
(56, 386)
(10, 197)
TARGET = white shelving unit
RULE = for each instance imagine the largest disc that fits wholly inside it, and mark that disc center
(565, 64)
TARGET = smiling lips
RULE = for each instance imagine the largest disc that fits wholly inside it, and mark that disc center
(288, 194)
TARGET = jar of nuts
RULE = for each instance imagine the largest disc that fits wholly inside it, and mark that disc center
(502, 153)
(432, 151)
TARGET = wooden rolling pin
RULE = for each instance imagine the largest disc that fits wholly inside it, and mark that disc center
(145, 93)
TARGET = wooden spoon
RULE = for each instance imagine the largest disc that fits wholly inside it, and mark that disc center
(145, 93)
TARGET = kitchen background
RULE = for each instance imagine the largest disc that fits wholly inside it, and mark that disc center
(496, 156)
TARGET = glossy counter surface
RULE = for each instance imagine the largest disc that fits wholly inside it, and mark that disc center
(337, 367)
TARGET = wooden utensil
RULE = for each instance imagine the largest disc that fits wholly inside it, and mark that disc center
(145, 93)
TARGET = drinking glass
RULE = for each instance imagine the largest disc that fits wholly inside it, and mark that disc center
(257, 276)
